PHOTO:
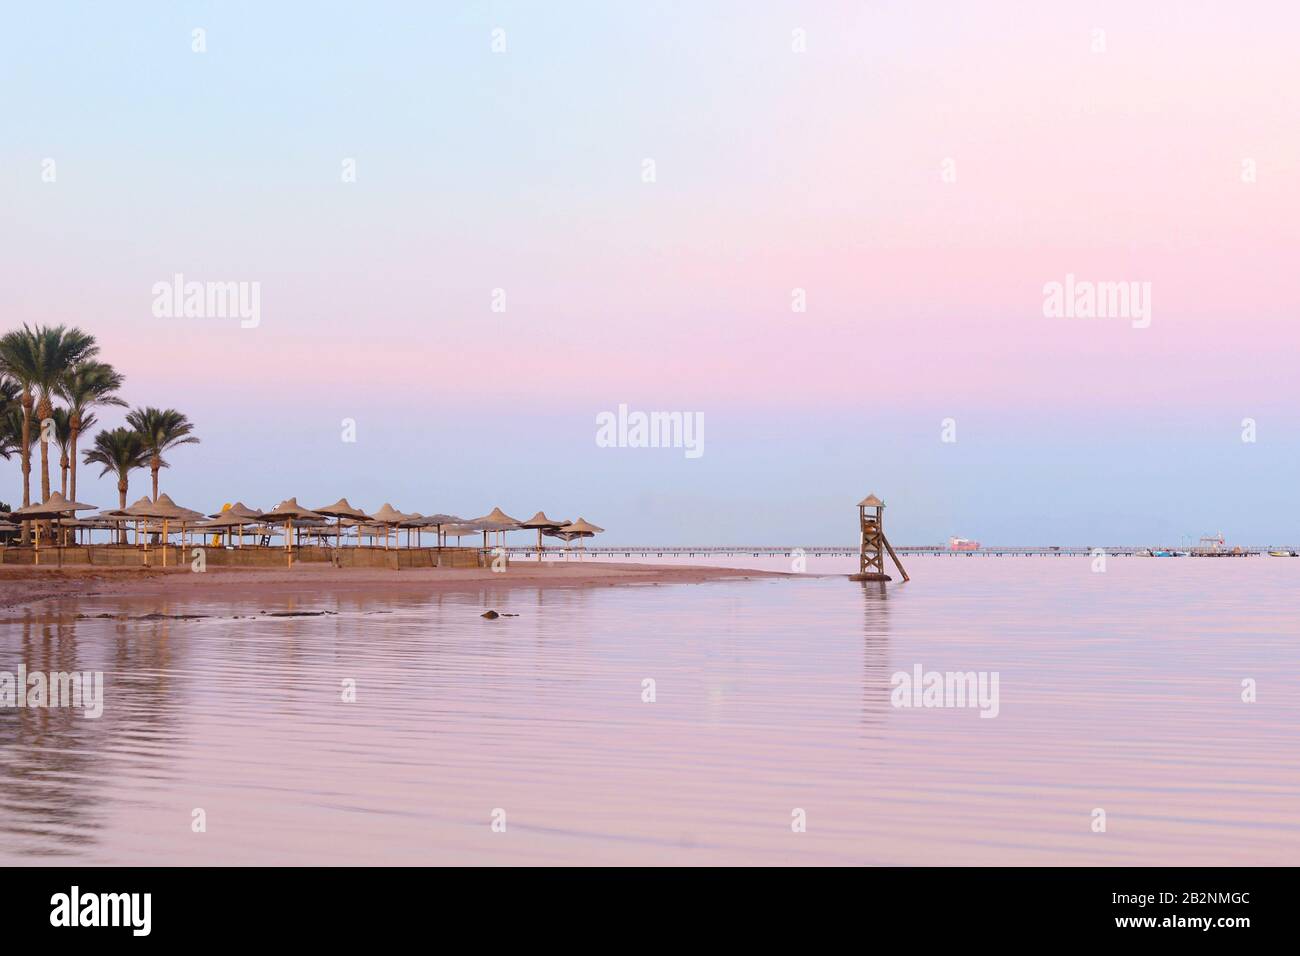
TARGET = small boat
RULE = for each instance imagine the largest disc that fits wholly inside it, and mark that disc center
(1161, 553)
(1283, 554)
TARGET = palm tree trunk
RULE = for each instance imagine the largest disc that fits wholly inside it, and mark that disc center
(154, 464)
(74, 427)
(121, 503)
(44, 411)
(63, 474)
(27, 459)
(27, 447)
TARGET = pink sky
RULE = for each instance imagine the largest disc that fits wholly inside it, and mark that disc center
(776, 170)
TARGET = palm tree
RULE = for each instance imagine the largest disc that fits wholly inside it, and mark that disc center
(11, 419)
(63, 434)
(18, 362)
(161, 430)
(121, 450)
(86, 385)
(63, 437)
(11, 436)
(38, 358)
(9, 390)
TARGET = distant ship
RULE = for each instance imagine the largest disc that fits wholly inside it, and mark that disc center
(962, 544)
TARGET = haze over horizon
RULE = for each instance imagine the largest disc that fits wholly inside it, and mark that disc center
(918, 179)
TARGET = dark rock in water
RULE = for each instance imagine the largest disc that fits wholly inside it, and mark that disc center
(491, 615)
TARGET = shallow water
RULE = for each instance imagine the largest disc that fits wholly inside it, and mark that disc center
(1119, 691)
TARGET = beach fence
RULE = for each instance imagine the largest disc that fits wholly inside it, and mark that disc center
(178, 557)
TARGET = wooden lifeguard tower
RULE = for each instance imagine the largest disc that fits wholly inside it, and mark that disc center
(873, 543)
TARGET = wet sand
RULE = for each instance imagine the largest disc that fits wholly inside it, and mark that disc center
(25, 585)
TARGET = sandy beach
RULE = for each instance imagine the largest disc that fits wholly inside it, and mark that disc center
(25, 585)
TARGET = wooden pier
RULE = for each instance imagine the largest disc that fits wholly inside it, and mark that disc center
(851, 551)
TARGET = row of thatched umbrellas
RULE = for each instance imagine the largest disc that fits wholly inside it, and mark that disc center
(165, 512)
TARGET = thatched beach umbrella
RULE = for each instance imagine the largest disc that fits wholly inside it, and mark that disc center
(495, 520)
(174, 512)
(541, 523)
(312, 528)
(340, 510)
(87, 524)
(227, 521)
(241, 510)
(165, 503)
(458, 531)
(437, 521)
(84, 524)
(237, 510)
(55, 507)
(170, 512)
(389, 517)
(577, 529)
(287, 511)
(360, 527)
(414, 521)
(118, 518)
(410, 520)
(141, 509)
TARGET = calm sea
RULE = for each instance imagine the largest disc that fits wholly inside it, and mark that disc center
(771, 737)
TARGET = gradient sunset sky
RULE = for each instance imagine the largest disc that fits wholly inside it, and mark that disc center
(1170, 157)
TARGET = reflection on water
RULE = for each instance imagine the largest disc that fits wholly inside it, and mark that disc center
(875, 651)
(57, 765)
(1119, 690)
